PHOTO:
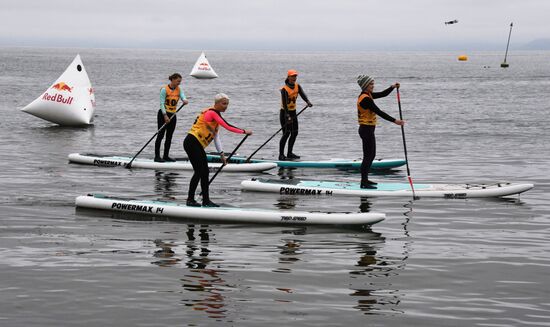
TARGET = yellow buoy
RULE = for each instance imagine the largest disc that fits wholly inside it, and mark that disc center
(463, 58)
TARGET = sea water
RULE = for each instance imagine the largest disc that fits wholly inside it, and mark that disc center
(432, 262)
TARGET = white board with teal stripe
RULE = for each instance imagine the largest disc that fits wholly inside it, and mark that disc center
(147, 163)
(329, 188)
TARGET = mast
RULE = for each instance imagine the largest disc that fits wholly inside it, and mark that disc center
(504, 64)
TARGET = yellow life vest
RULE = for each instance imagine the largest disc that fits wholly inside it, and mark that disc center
(172, 97)
(204, 131)
(365, 116)
(292, 96)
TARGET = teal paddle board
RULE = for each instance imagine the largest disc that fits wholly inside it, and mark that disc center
(377, 164)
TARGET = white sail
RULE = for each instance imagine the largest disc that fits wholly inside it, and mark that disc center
(202, 69)
(69, 101)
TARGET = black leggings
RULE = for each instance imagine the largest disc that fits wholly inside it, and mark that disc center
(197, 156)
(168, 129)
(369, 150)
(289, 130)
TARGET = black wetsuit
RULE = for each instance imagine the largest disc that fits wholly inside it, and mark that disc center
(366, 132)
(197, 156)
(289, 129)
(168, 129)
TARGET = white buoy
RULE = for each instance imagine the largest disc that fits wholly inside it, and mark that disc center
(69, 101)
(202, 69)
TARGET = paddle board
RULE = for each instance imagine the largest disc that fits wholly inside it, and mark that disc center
(115, 161)
(377, 164)
(306, 187)
(226, 214)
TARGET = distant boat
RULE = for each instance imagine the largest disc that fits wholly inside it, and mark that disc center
(69, 101)
(504, 63)
(202, 69)
(451, 22)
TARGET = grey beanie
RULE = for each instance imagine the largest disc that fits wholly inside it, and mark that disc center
(364, 80)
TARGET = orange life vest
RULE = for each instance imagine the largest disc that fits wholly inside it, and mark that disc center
(172, 97)
(204, 131)
(292, 96)
(365, 116)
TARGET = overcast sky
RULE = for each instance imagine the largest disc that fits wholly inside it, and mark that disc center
(274, 24)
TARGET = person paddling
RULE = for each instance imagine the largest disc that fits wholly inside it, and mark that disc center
(204, 130)
(169, 96)
(287, 115)
(367, 112)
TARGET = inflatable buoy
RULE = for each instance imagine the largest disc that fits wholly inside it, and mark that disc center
(202, 68)
(463, 58)
(69, 101)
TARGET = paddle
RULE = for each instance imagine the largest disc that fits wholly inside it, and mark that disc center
(405, 144)
(272, 136)
(129, 165)
(228, 158)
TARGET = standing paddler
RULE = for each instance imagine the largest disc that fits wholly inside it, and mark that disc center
(287, 115)
(169, 96)
(204, 130)
(367, 112)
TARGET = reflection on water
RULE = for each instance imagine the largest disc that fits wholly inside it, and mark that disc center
(165, 184)
(286, 172)
(202, 260)
(205, 282)
(365, 204)
(289, 251)
(165, 254)
(286, 202)
(373, 292)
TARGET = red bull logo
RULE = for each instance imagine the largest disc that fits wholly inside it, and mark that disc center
(57, 98)
(61, 86)
(203, 66)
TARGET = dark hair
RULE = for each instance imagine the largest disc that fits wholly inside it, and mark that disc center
(174, 76)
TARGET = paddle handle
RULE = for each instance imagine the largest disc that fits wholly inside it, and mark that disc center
(405, 143)
(129, 164)
(272, 136)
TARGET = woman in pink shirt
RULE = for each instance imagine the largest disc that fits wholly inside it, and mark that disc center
(204, 130)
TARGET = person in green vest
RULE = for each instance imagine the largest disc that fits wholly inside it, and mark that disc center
(169, 96)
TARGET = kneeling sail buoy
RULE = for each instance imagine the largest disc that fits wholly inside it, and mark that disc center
(202, 69)
(69, 101)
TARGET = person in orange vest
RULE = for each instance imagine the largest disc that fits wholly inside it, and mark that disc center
(367, 112)
(169, 96)
(202, 133)
(287, 115)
